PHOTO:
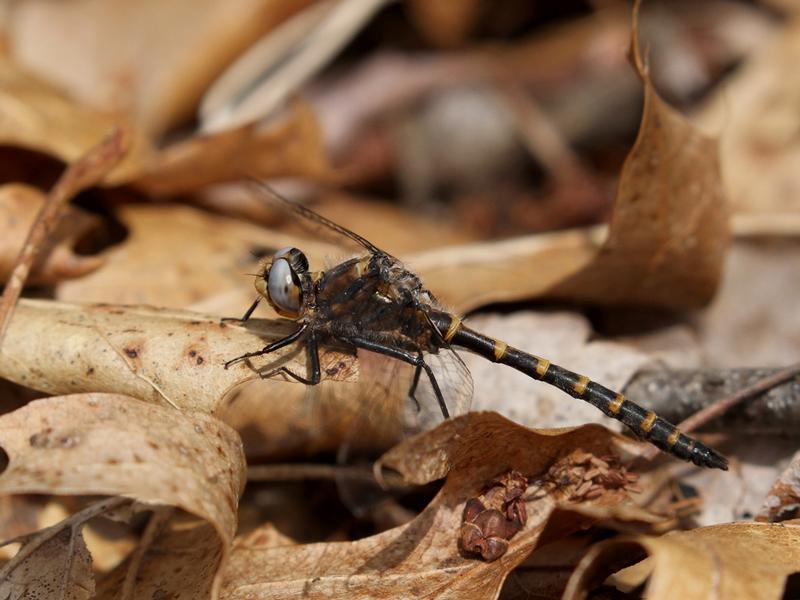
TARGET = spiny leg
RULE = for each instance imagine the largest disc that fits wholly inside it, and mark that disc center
(643, 422)
(312, 350)
(246, 315)
(412, 391)
(416, 360)
(277, 345)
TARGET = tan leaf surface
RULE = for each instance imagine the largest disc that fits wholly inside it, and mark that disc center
(145, 59)
(421, 559)
(466, 277)
(104, 444)
(279, 420)
(54, 562)
(181, 563)
(85, 172)
(208, 256)
(60, 568)
(36, 115)
(167, 357)
(755, 115)
(665, 243)
(732, 561)
(19, 205)
(290, 147)
(669, 230)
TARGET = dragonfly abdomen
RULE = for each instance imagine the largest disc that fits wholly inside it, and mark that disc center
(644, 423)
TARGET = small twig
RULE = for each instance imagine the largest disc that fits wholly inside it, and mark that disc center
(85, 172)
(679, 394)
(159, 517)
(312, 471)
(714, 410)
(725, 403)
(32, 542)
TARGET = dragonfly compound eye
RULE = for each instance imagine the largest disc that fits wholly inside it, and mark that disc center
(283, 288)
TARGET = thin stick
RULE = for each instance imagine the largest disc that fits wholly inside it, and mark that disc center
(155, 525)
(85, 172)
(32, 542)
(712, 411)
(715, 409)
(311, 471)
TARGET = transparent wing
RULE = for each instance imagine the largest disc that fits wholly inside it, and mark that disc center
(389, 414)
(454, 381)
(311, 220)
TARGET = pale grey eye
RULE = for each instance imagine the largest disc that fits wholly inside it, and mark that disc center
(282, 287)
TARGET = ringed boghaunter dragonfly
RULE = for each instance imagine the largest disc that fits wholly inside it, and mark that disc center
(374, 303)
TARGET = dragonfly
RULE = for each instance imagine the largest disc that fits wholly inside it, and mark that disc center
(372, 302)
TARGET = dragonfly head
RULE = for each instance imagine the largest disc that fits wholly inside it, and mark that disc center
(281, 282)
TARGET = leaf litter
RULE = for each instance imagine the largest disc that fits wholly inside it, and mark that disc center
(114, 445)
(664, 248)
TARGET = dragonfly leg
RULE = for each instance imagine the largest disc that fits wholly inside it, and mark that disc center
(245, 316)
(412, 391)
(412, 359)
(277, 345)
(313, 356)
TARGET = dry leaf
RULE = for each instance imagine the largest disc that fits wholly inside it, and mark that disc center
(125, 447)
(209, 256)
(167, 357)
(731, 561)
(79, 175)
(180, 563)
(35, 115)
(783, 500)
(146, 60)
(18, 207)
(669, 230)
(61, 567)
(278, 65)
(466, 277)
(665, 245)
(421, 559)
(754, 113)
(55, 561)
(289, 147)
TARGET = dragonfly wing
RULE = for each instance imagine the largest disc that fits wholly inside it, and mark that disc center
(455, 383)
(389, 414)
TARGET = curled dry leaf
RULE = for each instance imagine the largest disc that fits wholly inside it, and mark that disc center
(289, 147)
(669, 231)
(139, 59)
(125, 447)
(665, 244)
(167, 357)
(37, 116)
(19, 205)
(209, 255)
(54, 561)
(278, 65)
(61, 567)
(732, 561)
(85, 172)
(280, 420)
(422, 558)
(754, 115)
